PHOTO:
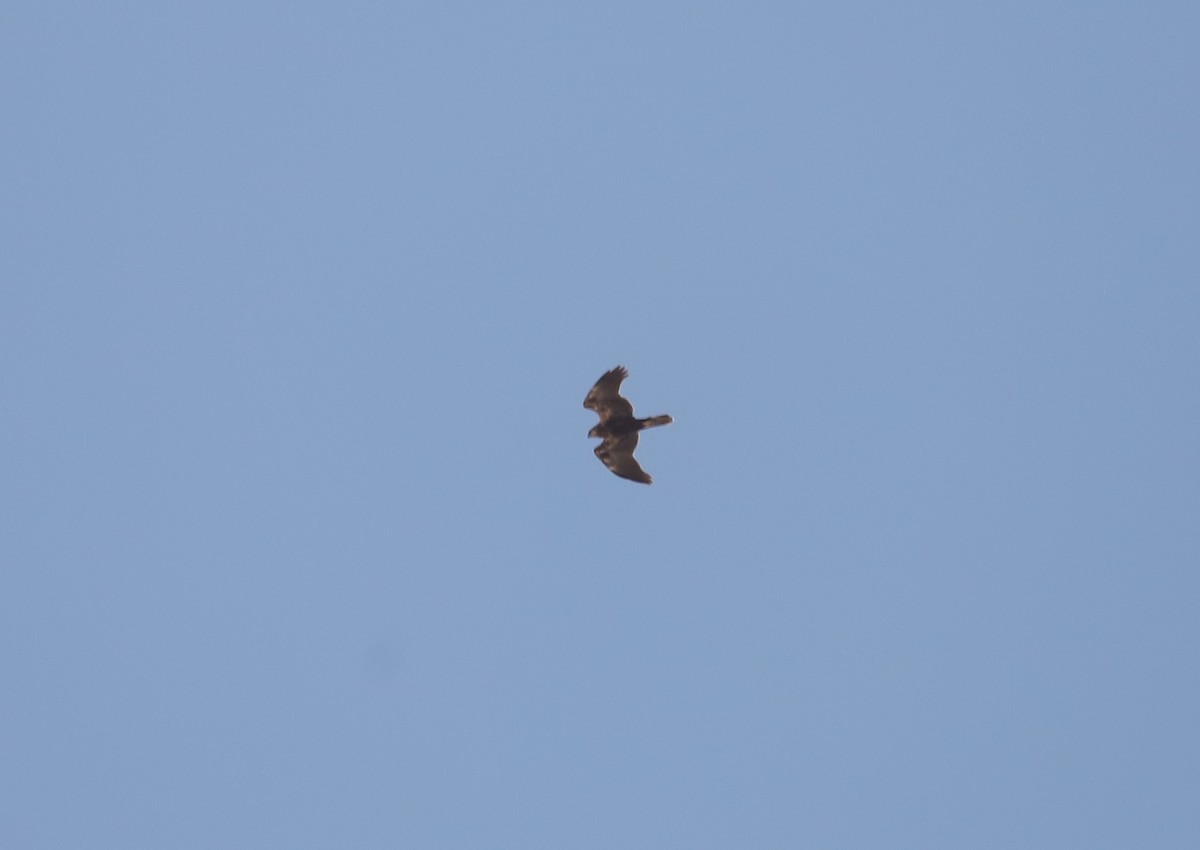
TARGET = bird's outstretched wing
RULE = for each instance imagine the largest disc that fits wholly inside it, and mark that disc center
(617, 454)
(605, 397)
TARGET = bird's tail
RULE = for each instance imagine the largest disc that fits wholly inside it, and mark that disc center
(656, 420)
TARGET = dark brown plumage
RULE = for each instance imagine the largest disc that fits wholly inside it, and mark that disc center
(618, 427)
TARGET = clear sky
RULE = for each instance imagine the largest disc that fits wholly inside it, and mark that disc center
(302, 543)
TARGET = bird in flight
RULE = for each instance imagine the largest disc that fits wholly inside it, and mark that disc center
(618, 427)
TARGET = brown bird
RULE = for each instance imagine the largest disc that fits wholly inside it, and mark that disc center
(618, 427)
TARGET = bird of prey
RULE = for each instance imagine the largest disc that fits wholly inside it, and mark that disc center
(618, 427)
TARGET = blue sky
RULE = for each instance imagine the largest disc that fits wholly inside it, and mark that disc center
(304, 544)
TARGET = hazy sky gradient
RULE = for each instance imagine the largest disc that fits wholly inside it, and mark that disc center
(302, 543)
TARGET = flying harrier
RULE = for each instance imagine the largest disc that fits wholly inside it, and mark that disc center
(618, 427)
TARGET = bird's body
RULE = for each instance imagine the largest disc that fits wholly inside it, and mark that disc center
(618, 427)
